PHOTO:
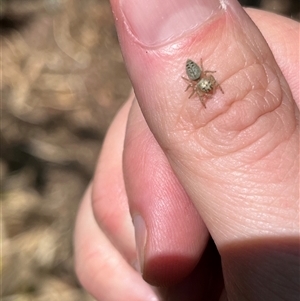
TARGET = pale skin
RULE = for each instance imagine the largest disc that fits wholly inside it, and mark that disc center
(239, 172)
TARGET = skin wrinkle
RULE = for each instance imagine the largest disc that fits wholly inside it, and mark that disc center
(278, 83)
(255, 219)
(248, 192)
(240, 228)
(240, 182)
(227, 152)
(287, 176)
(235, 73)
(260, 222)
(238, 177)
(263, 54)
(249, 79)
(284, 90)
(265, 113)
(242, 51)
(278, 99)
(255, 46)
(211, 154)
(278, 120)
(248, 204)
(289, 133)
(232, 83)
(251, 49)
(286, 204)
(271, 209)
(184, 164)
(259, 161)
(244, 96)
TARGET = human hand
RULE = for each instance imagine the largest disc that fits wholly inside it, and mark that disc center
(237, 161)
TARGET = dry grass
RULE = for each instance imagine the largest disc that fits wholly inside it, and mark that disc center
(63, 81)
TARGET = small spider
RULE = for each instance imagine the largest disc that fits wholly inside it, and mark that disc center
(201, 81)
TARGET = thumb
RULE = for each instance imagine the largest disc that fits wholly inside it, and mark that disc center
(238, 154)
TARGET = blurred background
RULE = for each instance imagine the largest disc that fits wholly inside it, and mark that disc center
(62, 81)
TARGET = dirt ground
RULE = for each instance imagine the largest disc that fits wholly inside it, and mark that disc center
(63, 80)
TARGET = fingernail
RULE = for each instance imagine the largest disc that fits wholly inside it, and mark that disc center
(140, 239)
(158, 22)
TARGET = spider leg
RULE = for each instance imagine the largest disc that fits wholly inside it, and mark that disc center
(202, 101)
(202, 98)
(201, 65)
(208, 71)
(190, 84)
(216, 84)
(220, 88)
(186, 79)
(193, 92)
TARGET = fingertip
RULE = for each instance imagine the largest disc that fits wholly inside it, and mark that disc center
(168, 269)
(170, 234)
(100, 267)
